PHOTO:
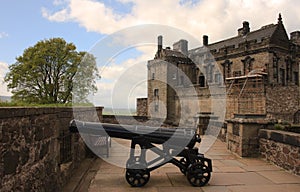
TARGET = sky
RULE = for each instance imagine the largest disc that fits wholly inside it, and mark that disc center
(88, 23)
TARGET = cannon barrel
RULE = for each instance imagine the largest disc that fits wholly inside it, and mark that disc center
(156, 135)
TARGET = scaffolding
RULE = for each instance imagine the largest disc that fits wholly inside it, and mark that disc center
(246, 94)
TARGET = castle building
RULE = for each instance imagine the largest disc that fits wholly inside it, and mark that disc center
(257, 72)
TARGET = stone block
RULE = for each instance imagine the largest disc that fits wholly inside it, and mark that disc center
(11, 161)
(275, 136)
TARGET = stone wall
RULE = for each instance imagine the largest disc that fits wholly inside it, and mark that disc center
(281, 148)
(132, 120)
(141, 107)
(242, 134)
(282, 101)
(30, 147)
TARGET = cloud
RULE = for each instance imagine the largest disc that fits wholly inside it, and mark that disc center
(3, 35)
(121, 84)
(219, 19)
(3, 86)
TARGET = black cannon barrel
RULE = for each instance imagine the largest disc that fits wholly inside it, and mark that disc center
(153, 134)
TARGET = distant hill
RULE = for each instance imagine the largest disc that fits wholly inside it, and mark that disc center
(5, 98)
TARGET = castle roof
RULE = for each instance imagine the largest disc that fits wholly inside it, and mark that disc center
(264, 32)
(173, 53)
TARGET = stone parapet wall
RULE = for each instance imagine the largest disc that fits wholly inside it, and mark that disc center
(132, 120)
(281, 148)
(31, 147)
(242, 135)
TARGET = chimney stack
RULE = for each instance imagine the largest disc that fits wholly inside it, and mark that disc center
(205, 40)
(159, 43)
(182, 46)
(245, 29)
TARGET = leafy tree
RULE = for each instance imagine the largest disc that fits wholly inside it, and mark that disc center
(50, 72)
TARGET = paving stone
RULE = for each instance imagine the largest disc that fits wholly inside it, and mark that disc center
(231, 169)
(247, 178)
(112, 170)
(230, 173)
(232, 162)
(215, 189)
(217, 163)
(280, 177)
(180, 189)
(265, 188)
(122, 189)
(253, 161)
(159, 180)
(178, 180)
(109, 180)
(262, 168)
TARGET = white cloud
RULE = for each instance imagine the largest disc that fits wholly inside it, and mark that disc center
(219, 19)
(3, 87)
(121, 84)
(3, 35)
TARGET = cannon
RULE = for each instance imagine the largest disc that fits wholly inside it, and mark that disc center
(177, 146)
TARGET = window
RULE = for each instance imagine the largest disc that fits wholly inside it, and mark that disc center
(202, 80)
(153, 76)
(217, 78)
(155, 92)
(227, 68)
(209, 73)
(248, 64)
(237, 73)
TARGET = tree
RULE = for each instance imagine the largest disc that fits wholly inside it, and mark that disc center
(49, 71)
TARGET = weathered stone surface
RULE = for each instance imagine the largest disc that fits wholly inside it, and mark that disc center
(276, 137)
(279, 149)
(11, 161)
(31, 147)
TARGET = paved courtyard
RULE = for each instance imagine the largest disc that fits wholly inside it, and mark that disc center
(230, 173)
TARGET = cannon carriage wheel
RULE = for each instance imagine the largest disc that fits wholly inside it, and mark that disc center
(137, 177)
(198, 174)
(136, 173)
(185, 164)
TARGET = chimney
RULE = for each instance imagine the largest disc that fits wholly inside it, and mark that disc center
(159, 43)
(205, 40)
(245, 29)
(182, 46)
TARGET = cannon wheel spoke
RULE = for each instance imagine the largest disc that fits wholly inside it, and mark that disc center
(137, 177)
(198, 174)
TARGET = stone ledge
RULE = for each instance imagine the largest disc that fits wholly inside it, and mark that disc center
(281, 136)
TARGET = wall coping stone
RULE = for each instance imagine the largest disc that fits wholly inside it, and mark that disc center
(280, 136)
(8, 112)
(263, 121)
